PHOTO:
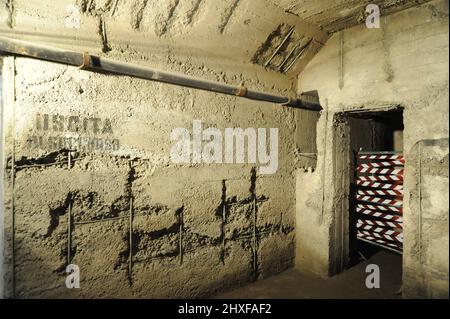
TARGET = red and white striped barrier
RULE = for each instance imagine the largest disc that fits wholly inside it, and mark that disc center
(381, 178)
(381, 157)
(388, 234)
(383, 171)
(377, 214)
(380, 241)
(378, 229)
(384, 164)
(380, 198)
(380, 223)
(398, 210)
(379, 185)
(382, 192)
(380, 201)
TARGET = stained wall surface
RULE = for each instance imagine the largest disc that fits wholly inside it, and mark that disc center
(217, 250)
(196, 229)
(404, 63)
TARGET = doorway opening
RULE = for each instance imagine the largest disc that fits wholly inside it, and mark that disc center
(376, 184)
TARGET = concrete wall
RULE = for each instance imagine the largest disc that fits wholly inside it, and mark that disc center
(181, 243)
(1, 188)
(101, 185)
(405, 63)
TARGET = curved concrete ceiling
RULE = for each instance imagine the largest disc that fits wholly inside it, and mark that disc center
(279, 35)
(335, 15)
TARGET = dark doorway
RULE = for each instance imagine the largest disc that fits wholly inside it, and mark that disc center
(370, 133)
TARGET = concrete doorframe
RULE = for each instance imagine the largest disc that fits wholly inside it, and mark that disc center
(321, 202)
(322, 195)
(337, 187)
(7, 73)
(338, 184)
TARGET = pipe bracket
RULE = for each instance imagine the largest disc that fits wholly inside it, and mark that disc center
(241, 91)
(86, 61)
(289, 101)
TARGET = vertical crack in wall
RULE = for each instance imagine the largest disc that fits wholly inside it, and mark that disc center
(180, 215)
(11, 12)
(221, 212)
(170, 18)
(192, 14)
(103, 34)
(98, 10)
(138, 7)
(55, 215)
(114, 7)
(83, 5)
(226, 17)
(255, 216)
(132, 247)
(387, 66)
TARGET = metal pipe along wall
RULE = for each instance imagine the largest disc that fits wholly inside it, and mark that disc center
(96, 64)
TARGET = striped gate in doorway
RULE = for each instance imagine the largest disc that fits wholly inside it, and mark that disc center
(379, 199)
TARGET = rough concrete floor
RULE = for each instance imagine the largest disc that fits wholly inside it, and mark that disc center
(292, 284)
